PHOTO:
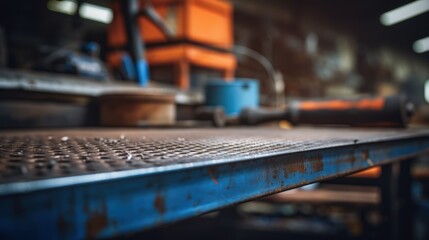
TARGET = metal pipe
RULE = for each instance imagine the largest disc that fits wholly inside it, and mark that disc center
(130, 11)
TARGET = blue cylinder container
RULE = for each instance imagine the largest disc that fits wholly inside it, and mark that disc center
(232, 96)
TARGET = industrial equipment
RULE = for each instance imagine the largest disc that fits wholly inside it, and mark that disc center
(393, 111)
(201, 36)
(232, 96)
(85, 63)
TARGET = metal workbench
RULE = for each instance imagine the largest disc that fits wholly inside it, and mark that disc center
(101, 183)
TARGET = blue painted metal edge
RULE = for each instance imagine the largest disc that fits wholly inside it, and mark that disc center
(112, 207)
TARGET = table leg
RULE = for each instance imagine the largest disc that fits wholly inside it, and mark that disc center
(396, 202)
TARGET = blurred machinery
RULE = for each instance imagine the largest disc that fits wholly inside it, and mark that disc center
(202, 36)
(393, 111)
(85, 63)
(232, 96)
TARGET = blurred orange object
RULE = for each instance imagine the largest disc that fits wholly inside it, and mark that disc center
(203, 21)
(203, 36)
(373, 172)
(183, 56)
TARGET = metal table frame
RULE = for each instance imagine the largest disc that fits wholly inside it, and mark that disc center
(113, 203)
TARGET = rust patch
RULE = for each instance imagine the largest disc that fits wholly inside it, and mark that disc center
(213, 173)
(317, 164)
(365, 155)
(97, 221)
(298, 166)
(159, 203)
(275, 173)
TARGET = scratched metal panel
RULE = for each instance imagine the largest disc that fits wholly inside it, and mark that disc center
(110, 201)
(42, 155)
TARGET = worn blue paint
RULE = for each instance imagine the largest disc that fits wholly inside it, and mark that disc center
(127, 67)
(142, 72)
(109, 208)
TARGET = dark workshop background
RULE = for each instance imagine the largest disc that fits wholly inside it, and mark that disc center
(318, 49)
(335, 49)
(321, 49)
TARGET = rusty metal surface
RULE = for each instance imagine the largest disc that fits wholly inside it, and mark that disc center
(52, 154)
(103, 183)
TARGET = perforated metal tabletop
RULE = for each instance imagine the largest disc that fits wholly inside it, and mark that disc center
(99, 182)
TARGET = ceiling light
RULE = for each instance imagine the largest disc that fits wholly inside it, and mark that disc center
(405, 12)
(421, 45)
(66, 6)
(96, 13)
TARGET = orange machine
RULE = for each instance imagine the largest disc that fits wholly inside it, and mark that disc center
(202, 36)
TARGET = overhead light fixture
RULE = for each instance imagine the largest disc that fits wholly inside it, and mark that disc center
(96, 13)
(405, 12)
(422, 45)
(87, 11)
(66, 6)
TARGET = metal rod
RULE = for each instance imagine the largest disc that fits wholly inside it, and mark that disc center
(130, 10)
